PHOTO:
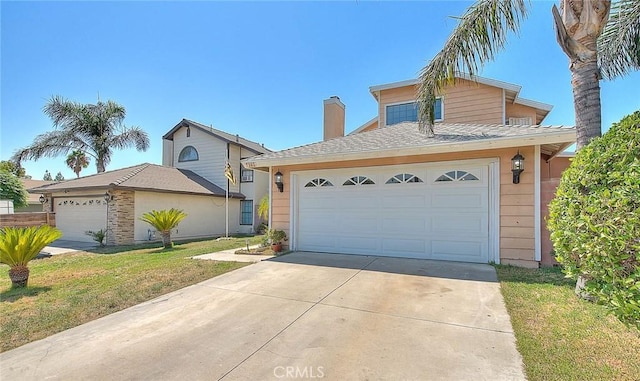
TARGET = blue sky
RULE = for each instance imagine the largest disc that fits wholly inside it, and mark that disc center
(258, 69)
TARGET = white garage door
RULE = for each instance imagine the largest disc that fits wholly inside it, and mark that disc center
(76, 215)
(417, 211)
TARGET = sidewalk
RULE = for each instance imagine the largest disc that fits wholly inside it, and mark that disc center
(229, 255)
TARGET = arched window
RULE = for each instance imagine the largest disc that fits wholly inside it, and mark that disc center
(404, 178)
(456, 176)
(358, 180)
(188, 153)
(318, 183)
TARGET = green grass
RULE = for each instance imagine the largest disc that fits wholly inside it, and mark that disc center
(71, 289)
(562, 337)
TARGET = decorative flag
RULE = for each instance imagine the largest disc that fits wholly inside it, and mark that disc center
(228, 173)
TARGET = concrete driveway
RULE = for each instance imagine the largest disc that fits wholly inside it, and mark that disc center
(300, 316)
(62, 246)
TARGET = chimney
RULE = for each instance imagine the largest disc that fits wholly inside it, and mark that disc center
(333, 118)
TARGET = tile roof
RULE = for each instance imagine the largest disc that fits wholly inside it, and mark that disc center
(256, 147)
(151, 177)
(405, 138)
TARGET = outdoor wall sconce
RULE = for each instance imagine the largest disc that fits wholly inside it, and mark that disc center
(279, 182)
(107, 197)
(517, 167)
(42, 199)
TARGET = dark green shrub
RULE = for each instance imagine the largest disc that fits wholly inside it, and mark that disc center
(595, 219)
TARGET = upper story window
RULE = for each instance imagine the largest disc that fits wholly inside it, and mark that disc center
(188, 153)
(408, 112)
(247, 176)
(188, 131)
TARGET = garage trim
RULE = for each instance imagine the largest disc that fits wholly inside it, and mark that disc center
(493, 201)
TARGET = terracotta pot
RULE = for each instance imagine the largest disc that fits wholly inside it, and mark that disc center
(276, 247)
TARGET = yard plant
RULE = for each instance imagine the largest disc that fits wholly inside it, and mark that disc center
(595, 219)
(163, 221)
(20, 245)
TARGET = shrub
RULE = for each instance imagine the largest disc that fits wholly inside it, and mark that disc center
(595, 219)
(11, 188)
(163, 221)
(97, 236)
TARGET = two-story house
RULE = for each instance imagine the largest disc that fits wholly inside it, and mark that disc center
(473, 192)
(192, 178)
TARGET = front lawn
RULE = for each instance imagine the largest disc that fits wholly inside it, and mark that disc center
(71, 289)
(562, 337)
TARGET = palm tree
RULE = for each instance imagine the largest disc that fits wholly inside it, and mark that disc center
(482, 32)
(163, 221)
(263, 207)
(77, 160)
(94, 129)
(20, 245)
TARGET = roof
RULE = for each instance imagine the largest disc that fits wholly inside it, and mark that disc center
(227, 137)
(405, 139)
(29, 183)
(512, 91)
(145, 177)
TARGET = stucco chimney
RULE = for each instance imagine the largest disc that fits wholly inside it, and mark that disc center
(333, 118)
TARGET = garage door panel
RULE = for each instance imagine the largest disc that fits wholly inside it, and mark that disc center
(446, 220)
(406, 226)
(415, 248)
(441, 249)
(459, 224)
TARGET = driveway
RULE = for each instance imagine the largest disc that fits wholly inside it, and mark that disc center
(300, 316)
(62, 246)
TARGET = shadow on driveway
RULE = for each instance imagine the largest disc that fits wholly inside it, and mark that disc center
(419, 267)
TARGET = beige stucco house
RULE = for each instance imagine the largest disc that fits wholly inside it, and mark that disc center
(191, 178)
(387, 189)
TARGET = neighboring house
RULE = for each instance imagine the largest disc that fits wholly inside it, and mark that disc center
(192, 179)
(387, 189)
(205, 151)
(33, 199)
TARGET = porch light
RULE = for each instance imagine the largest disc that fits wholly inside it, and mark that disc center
(517, 167)
(42, 199)
(279, 182)
(107, 197)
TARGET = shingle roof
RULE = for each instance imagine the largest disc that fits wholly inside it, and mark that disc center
(30, 183)
(405, 138)
(151, 177)
(256, 147)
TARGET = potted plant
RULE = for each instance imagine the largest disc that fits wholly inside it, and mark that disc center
(276, 237)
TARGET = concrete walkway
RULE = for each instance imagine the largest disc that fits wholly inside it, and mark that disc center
(298, 316)
(230, 255)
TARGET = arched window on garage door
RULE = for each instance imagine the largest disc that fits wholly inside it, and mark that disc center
(404, 178)
(358, 180)
(456, 176)
(319, 182)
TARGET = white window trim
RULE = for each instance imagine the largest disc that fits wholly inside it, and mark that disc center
(441, 97)
(242, 180)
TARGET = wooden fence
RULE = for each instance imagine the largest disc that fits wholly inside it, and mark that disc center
(27, 219)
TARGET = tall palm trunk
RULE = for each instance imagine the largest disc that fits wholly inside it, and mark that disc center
(579, 23)
(586, 99)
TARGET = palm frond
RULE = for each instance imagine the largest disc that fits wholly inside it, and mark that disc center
(164, 220)
(20, 245)
(619, 43)
(51, 144)
(480, 34)
(131, 136)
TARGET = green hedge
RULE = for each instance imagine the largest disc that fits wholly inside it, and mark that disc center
(595, 219)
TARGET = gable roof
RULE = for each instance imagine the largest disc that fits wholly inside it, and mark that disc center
(405, 139)
(512, 91)
(30, 183)
(225, 136)
(144, 177)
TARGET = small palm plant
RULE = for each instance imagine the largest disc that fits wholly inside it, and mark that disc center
(20, 245)
(163, 221)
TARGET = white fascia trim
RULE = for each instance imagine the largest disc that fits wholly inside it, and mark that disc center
(475, 78)
(534, 104)
(536, 205)
(359, 129)
(506, 142)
